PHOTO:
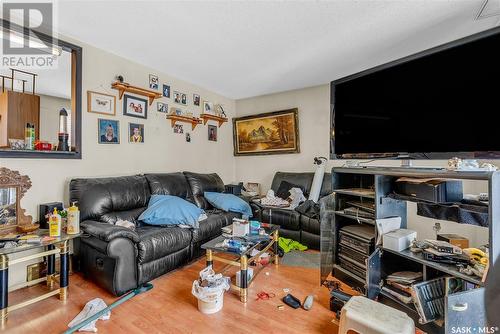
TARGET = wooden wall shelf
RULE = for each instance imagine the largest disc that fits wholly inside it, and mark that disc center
(123, 87)
(176, 118)
(210, 117)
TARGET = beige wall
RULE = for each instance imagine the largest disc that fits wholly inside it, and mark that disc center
(163, 151)
(314, 119)
(314, 126)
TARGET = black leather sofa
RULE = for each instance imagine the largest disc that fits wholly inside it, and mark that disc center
(294, 225)
(120, 259)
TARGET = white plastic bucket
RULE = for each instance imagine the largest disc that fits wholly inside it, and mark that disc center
(211, 303)
(210, 299)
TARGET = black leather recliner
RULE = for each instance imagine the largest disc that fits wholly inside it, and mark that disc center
(294, 225)
(120, 259)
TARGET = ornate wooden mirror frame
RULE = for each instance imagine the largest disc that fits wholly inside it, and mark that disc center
(13, 179)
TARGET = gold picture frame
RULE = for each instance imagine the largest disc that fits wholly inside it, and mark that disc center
(267, 133)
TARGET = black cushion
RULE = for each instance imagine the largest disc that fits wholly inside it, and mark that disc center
(107, 232)
(303, 180)
(288, 219)
(283, 190)
(157, 242)
(174, 184)
(96, 197)
(130, 215)
(200, 183)
(310, 225)
(311, 240)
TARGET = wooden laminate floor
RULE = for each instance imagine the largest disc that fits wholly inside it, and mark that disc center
(170, 308)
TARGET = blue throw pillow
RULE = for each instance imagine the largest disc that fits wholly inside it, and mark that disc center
(228, 202)
(171, 210)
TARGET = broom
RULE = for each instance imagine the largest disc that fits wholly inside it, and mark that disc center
(131, 294)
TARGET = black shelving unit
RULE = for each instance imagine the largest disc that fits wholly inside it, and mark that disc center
(375, 184)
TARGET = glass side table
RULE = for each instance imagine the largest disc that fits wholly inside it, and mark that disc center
(243, 259)
(49, 248)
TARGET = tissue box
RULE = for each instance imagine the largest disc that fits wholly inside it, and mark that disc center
(398, 240)
(241, 228)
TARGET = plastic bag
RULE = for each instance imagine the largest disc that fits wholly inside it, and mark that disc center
(210, 285)
(91, 308)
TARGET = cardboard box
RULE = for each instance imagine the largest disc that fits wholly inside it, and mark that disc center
(399, 239)
(454, 239)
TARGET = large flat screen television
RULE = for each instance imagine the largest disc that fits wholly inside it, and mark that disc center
(439, 103)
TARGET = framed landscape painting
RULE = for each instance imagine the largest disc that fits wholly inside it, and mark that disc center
(268, 133)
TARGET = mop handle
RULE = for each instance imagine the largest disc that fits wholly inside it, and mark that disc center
(133, 293)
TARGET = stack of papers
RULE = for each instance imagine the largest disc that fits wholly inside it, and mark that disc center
(405, 277)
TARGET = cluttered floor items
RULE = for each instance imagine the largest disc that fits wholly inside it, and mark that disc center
(252, 245)
(171, 308)
(210, 287)
(96, 309)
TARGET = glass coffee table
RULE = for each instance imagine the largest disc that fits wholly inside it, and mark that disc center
(243, 259)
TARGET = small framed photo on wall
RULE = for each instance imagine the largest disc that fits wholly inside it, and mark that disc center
(166, 90)
(212, 133)
(178, 128)
(153, 81)
(101, 103)
(161, 107)
(108, 131)
(208, 107)
(196, 99)
(135, 106)
(180, 98)
(135, 133)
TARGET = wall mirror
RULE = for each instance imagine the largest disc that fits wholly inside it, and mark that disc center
(32, 99)
(8, 206)
(13, 186)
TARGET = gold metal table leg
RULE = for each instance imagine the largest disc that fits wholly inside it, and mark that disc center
(4, 288)
(244, 279)
(64, 270)
(51, 265)
(210, 260)
(3, 317)
(275, 239)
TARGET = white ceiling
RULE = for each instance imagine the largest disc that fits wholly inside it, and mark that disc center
(243, 49)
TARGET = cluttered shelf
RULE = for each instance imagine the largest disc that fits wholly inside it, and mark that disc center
(431, 327)
(406, 307)
(360, 192)
(348, 273)
(356, 218)
(421, 172)
(446, 268)
(452, 272)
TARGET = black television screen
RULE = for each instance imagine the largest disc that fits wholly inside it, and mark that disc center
(443, 100)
